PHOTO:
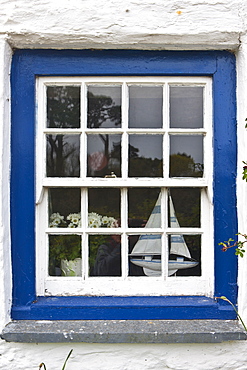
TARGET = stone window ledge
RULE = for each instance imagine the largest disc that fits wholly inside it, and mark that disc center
(123, 331)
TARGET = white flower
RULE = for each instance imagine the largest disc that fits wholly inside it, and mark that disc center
(56, 219)
(113, 222)
(75, 219)
(105, 221)
(94, 220)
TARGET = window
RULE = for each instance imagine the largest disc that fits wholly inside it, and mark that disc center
(123, 196)
(129, 150)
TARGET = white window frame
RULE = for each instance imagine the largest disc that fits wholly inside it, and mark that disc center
(124, 285)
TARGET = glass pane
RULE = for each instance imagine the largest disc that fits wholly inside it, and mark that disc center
(105, 255)
(145, 255)
(186, 156)
(145, 106)
(184, 255)
(104, 207)
(186, 107)
(104, 155)
(64, 255)
(145, 156)
(184, 205)
(144, 207)
(63, 106)
(104, 106)
(63, 155)
(64, 207)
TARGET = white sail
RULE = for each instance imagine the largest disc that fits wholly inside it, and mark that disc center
(178, 245)
(151, 243)
(147, 251)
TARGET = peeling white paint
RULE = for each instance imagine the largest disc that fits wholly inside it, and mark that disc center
(147, 24)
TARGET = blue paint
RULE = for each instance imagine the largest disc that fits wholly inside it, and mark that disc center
(30, 63)
(123, 308)
(148, 237)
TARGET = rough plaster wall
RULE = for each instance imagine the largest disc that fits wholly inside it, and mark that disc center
(225, 356)
(99, 23)
(5, 281)
(154, 24)
(242, 155)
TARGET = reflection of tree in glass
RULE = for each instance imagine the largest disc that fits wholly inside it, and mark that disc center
(184, 165)
(140, 166)
(62, 156)
(63, 111)
(63, 106)
(145, 167)
(101, 108)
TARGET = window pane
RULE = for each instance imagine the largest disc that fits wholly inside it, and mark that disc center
(64, 255)
(186, 107)
(186, 156)
(105, 255)
(145, 106)
(104, 106)
(145, 253)
(63, 155)
(184, 206)
(144, 207)
(104, 155)
(64, 207)
(63, 106)
(184, 255)
(145, 156)
(104, 207)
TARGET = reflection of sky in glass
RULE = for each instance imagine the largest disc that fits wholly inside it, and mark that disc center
(96, 144)
(104, 102)
(145, 107)
(145, 156)
(186, 107)
(191, 145)
(150, 146)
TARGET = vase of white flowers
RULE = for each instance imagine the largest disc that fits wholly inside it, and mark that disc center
(65, 250)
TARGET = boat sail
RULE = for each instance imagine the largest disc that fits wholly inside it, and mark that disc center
(147, 251)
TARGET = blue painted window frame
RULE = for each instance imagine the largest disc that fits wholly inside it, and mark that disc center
(26, 66)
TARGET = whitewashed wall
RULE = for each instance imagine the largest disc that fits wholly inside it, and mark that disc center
(145, 24)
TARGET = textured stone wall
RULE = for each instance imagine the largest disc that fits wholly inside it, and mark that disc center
(113, 24)
(227, 356)
(147, 24)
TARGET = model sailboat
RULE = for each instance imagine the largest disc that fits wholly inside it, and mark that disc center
(147, 251)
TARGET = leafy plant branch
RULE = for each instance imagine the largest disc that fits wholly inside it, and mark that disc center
(239, 245)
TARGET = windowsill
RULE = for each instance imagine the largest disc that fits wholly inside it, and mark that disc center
(124, 308)
(123, 331)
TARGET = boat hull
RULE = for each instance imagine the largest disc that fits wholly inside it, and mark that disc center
(155, 264)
